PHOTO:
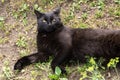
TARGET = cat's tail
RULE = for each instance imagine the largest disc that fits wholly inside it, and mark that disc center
(27, 60)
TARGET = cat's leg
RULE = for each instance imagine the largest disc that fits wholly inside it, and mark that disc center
(27, 60)
(57, 61)
(60, 58)
(64, 52)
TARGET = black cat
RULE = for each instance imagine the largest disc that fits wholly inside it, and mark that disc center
(65, 44)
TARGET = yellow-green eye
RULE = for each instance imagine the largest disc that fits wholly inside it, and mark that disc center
(53, 20)
(44, 20)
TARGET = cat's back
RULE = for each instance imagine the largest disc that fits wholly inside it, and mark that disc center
(93, 40)
(92, 33)
(89, 33)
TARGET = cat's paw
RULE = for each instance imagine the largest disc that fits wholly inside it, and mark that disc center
(18, 66)
(63, 71)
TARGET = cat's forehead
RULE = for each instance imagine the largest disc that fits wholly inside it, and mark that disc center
(50, 14)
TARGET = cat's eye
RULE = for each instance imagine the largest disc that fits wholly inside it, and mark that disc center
(44, 20)
(53, 20)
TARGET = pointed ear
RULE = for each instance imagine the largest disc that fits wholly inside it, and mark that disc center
(38, 14)
(57, 11)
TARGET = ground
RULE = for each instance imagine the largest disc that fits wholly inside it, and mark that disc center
(18, 35)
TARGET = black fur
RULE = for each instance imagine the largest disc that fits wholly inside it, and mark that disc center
(54, 39)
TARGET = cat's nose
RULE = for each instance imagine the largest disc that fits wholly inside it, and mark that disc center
(49, 23)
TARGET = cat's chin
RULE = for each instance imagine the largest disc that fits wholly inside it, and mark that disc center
(47, 31)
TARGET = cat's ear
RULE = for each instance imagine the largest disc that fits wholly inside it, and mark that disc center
(38, 14)
(57, 11)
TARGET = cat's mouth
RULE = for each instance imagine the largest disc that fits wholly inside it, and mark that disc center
(50, 28)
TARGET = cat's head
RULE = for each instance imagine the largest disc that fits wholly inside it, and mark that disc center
(48, 22)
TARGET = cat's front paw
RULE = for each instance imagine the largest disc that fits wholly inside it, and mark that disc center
(63, 71)
(18, 66)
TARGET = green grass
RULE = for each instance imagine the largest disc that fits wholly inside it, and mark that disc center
(112, 64)
(114, 11)
(21, 42)
(84, 16)
(3, 40)
(24, 52)
(7, 72)
(117, 1)
(2, 22)
(99, 14)
(100, 4)
(22, 12)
